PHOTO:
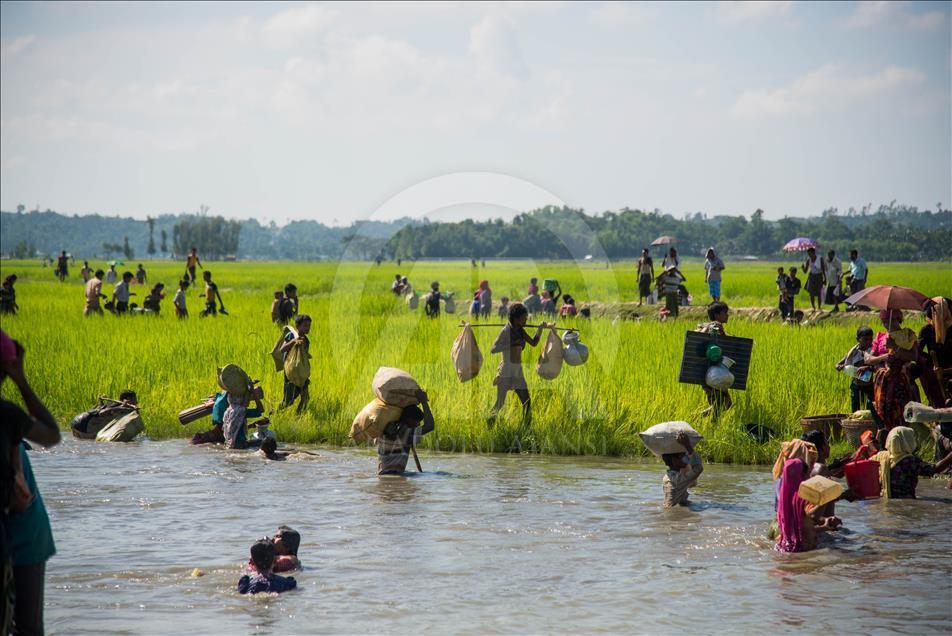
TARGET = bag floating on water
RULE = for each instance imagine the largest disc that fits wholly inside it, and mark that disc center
(574, 353)
(662, 438)
(467, 357)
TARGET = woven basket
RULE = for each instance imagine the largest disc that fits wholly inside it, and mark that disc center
(854, 429)
(829, 424)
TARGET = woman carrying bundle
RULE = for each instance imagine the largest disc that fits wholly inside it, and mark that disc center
(509, 377)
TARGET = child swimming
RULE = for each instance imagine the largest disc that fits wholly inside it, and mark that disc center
(263, 555)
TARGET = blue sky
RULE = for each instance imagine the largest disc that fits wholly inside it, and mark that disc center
(336, 112)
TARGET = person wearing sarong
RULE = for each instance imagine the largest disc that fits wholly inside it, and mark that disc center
(399, 438)
(645, 276)
(900, 467)
(813, 268)
(510, 342)
(235, 420)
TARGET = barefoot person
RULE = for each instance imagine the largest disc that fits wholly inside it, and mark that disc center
(292, 391)
(191, 261)
(645, 276)
(211, 293)
(813, 268)
(509, 377)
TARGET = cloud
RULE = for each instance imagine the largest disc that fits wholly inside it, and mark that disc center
(494, 45)
(736, 12)
(622, 14)
(827, 88)
(297, 25)
(18, 44)
(878, 12)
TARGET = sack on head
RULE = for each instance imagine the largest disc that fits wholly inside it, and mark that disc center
(373, 419)
(662, 438)
(550, 360)
(395, 387)
(467, 357)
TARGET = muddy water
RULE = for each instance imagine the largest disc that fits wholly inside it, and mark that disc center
(477, 544)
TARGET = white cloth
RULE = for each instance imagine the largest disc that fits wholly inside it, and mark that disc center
(815, 267)
(179, 300)
(833, 269)
(121, 291)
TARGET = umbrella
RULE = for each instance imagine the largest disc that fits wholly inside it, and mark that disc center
(114, 263)
(800, 244)
(888, 297)
(664, 240)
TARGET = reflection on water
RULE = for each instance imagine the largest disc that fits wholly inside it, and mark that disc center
(487, 544)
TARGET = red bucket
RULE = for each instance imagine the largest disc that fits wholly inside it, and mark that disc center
(863, 478)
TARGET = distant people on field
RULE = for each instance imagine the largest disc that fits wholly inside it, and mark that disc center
(93, 294)
(112, 275)
(785, 303)
(191, 261)
(211, 294)
(833, 273)
(27, 539)
(276, 307)
(671, 259)
(813, 268)
(140, 275)
(485, 296)
(670, 283)
(859, 272)
(431, 302)
(503, 311)
(645, 270)
(8, 296)
(153, 300)
(533, 287)
(291, 302)
(568, 308)
(181, 307)
(86, 272)
(121, 294)
(793, 289)
(62, 266)
(713, 266)
(396, 285)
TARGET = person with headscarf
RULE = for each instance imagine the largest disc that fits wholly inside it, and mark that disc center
(485, 297)
(900, 467)
(892, 389)
(713, 266)
(797, 520)
(935, 337)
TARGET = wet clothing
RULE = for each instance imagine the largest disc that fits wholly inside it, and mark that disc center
(904, 476)
(282, 563)
(677, 482)
(265, 583)
(394, 446)
(795, 525)
(30, 530)
(235, 421)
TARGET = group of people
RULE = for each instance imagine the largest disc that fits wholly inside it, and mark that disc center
(670, 283)
(537, 302)
(826, 282)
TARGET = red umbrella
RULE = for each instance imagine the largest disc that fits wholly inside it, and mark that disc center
(888, 297)
(664, 240)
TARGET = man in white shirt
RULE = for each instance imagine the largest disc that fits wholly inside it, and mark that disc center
(121, 293)
(832, 272)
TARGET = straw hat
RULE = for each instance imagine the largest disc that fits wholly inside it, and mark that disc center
(233, 379)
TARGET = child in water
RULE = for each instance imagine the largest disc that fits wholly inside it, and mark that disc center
(509, 377)
(263, 555)
(286, 543)
(683, 471)
(269, 450)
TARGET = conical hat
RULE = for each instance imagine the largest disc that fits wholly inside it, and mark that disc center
(233, 379)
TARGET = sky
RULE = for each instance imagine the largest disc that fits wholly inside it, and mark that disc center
(344, 111)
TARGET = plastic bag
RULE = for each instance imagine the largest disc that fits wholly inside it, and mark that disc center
(719, 377)
(574, 353)
(467, 357)
(395, 387)
(373, 419)
(550, 360)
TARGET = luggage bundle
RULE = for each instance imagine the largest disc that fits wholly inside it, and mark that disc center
(467, 357)
(662, 438)
(395, 390)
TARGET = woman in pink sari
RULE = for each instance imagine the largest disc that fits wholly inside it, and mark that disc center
(798, 520)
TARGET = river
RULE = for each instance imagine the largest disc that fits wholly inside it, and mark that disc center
(476, 544)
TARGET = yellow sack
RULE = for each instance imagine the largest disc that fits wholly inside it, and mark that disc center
(550, 360)
(372, 419)
(276, 354)
(297, 365)
(124, 428)
(467, 357)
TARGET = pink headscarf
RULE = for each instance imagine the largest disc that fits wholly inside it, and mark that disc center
(8, 350)
(790, 507)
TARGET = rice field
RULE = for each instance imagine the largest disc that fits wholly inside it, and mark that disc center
(628, 384)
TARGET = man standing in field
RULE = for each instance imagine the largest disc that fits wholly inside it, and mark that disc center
(713, 266)
(62, 266)
(191, 261)
(858, 272)
(86, 272)
(813, 268)
(121, 293)
(832, 272)
(211, 293)
(93, 294)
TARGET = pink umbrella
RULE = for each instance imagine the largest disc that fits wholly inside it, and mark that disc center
(800, 244)
(888, 297)
(664, 240)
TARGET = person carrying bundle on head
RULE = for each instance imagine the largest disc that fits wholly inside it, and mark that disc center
(683, 471)
(510, 342)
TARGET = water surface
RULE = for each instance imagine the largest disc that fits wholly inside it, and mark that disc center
(477, 544)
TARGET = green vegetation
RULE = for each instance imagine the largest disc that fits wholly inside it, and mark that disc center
(629, 383)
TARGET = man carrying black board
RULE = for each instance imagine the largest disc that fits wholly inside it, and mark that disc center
(719, 399)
